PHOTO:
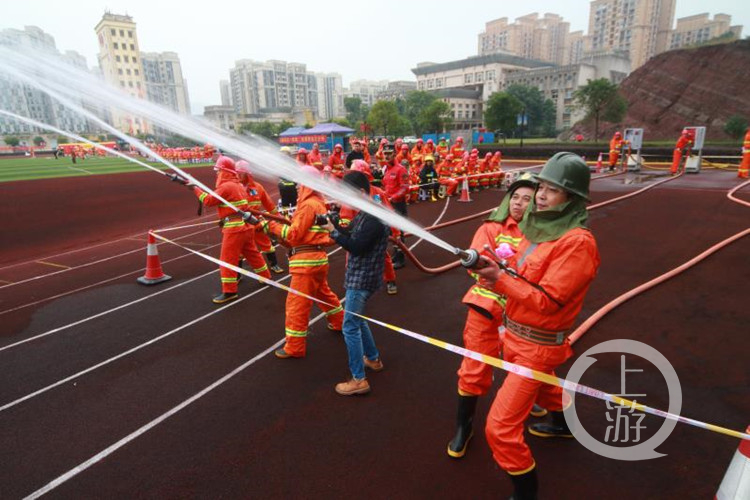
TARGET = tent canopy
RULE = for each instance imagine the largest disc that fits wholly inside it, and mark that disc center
(329, 128)
(292, 131)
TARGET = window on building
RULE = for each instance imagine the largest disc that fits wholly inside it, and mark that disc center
(138, 84)
(130, 34)
(135, 60)
(421, 85)
(122, 84)
(460, 115)
(130, 84)
(117, 58)
(119, 71)
(132, 46)
(127, 71)
(113, 32)
(478, 77)
(127, 59)
(136, 71)
(468, 78)
(114, 46)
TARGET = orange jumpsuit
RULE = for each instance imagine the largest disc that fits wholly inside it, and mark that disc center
(485, 312)
(258, 199)
(315, 159)
(683, 143)
(615, 148)
(337, 163)
(564, 268)
(458, 151)
(744, 169)
(417, 153)
(496, 168)
(237, 235)
(446, 178)
(308, 265)
(442, 149)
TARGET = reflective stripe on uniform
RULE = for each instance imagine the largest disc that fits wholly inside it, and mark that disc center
(308, 263)
(284, 231)
(317, 229)
(261, 269)
(295, 333)
(234, 204)
(483, 292)
(229, 280)
(203, 196)
(237, 223)
(334, 310)
(510, 240)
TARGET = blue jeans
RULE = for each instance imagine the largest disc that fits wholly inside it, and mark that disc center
(357, 334)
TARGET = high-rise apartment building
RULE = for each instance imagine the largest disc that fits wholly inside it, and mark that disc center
(165, 84)
(700, 28)
(271, 86)
(27, 101)
(119, 60)
(640, 27)
(545, 39)
(366, 90)
(226, 93)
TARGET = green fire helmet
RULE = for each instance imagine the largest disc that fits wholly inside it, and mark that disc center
(526, 179)
(569, 172)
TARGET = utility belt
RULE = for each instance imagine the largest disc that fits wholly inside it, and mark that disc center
(541, 337)
(306, 249)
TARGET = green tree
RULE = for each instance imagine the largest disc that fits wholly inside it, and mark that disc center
(342, 121)
(599, 98)
(354, 109)
(735, 127)
(385, 118)
(38, 140)
(436, 117)
(540, 111)
(417, 101)
(264, 128)
(501, 112)
(11, 140)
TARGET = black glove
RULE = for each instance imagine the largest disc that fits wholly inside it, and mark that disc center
(249, 218)
(321, 219)
(177, 178)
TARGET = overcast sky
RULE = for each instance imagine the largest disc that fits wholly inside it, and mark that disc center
(379, 40)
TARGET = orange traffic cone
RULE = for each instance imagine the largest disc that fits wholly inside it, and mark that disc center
(599, 164)
(736, 482)
(154, 273)
(465, 191)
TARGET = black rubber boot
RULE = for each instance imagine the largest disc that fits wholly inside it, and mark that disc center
(225, 297)
(274, 262)
(557, 428)
(399, 259)
(525, 486)
(538, 411)
(467, 406)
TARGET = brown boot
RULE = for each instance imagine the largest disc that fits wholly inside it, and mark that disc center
(353, 387)
(376, 366)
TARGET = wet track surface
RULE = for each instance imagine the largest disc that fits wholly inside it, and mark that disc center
(276, 428)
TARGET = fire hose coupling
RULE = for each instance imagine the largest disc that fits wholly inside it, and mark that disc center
(249, 218)
(177, 178)
(469, 258)
(322, 219)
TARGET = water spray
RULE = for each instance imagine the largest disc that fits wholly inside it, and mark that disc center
(61, 79)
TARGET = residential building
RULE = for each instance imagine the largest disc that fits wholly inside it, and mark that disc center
(396, 89)
(165, 84)
(700, 28)
(119, 60)
(545, 39)
(640, 27)
(221, 116)
(26, 100)
(260, 87)
(559, 82)
(366, 90)
(226, 93)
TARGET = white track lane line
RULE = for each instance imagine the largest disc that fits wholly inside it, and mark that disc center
(103, 313)
(132, 236)
(139, 347)
(63, 294)
(112, 257)
(437, 221)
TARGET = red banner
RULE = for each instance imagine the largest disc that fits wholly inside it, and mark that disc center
(303, 138)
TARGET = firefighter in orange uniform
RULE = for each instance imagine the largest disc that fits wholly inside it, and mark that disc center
(486, 308)
(258, 199)
(303, 157)
(744, 169)
(237, 233)
(615, 148)
(418, 152)
(315, 158)
(402, 155)
(446, 177)
(308, 265)
(429, 148)
(560, 257)
(682, 148)
(442, 148)
(336, 161)
(458, 149)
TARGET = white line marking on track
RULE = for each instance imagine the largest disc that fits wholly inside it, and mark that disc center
(52, 264)
(437, 221)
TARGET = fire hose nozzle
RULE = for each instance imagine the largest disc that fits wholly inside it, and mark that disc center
(469, 258)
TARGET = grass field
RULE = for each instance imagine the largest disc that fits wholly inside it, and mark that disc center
(24, 169)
